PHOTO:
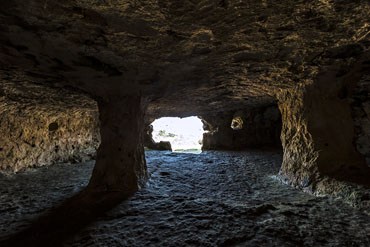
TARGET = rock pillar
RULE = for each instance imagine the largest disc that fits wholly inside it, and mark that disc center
(120, 165)
(318, 130)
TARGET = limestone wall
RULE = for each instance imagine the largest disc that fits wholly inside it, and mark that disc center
(36, 130)
(261, 128)
(36, 137)
(360, 105)
(318, 133)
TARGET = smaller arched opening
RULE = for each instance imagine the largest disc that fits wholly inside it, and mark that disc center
(184, 134)
(237, 123)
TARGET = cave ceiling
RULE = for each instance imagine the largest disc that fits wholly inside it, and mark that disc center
(185, 57)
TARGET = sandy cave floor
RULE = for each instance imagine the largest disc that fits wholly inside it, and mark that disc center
(208, 199)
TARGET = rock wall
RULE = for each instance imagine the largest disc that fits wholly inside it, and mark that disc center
(36, 132)
(360, 106)
(151, 144)
(261, 128)
(222, 55)
(318, 131)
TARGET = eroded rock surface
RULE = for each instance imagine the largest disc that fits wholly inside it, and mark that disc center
(41, 126)
(210, 199)
(120, 162)
(203, 58)
(151, 144)
(360, 106)
(318, 130)
(187, 57)
(261, 127)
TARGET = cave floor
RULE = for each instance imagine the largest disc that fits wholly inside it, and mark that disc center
(208, 199)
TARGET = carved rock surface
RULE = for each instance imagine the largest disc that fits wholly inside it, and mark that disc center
(120, 162)
(39, 126)
(261, 128)
(151, 144)
(187, 58)
(360, 106)
(222, 57)
(318, 131)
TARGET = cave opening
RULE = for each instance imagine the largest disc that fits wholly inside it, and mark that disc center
(184, 134)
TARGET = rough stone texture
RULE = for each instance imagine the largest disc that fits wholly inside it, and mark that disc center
(211, 199)
(39, 128)
(360, 106)
(261, 128)
(318, 130)
(199, 58)
(151, 144)
(219, 56)
(120, 163)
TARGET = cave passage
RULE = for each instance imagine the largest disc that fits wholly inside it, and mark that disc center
(281, 90)
(184, 134)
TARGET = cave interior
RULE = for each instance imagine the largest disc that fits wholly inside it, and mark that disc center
(81, 81)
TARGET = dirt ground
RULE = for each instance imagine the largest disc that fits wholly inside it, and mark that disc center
(209, 199)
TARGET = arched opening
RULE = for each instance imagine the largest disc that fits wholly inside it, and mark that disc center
(184, 134)
(237, 123)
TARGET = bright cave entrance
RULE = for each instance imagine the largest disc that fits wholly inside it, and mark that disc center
(184, 134)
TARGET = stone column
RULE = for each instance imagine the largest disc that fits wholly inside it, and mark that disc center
(318, 130)
(120, 164)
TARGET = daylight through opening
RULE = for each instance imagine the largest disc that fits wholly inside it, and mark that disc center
(184, 134)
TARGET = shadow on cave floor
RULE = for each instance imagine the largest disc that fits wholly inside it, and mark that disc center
(210, 199)
(355, 176)
(34, 190)
(57, 225)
